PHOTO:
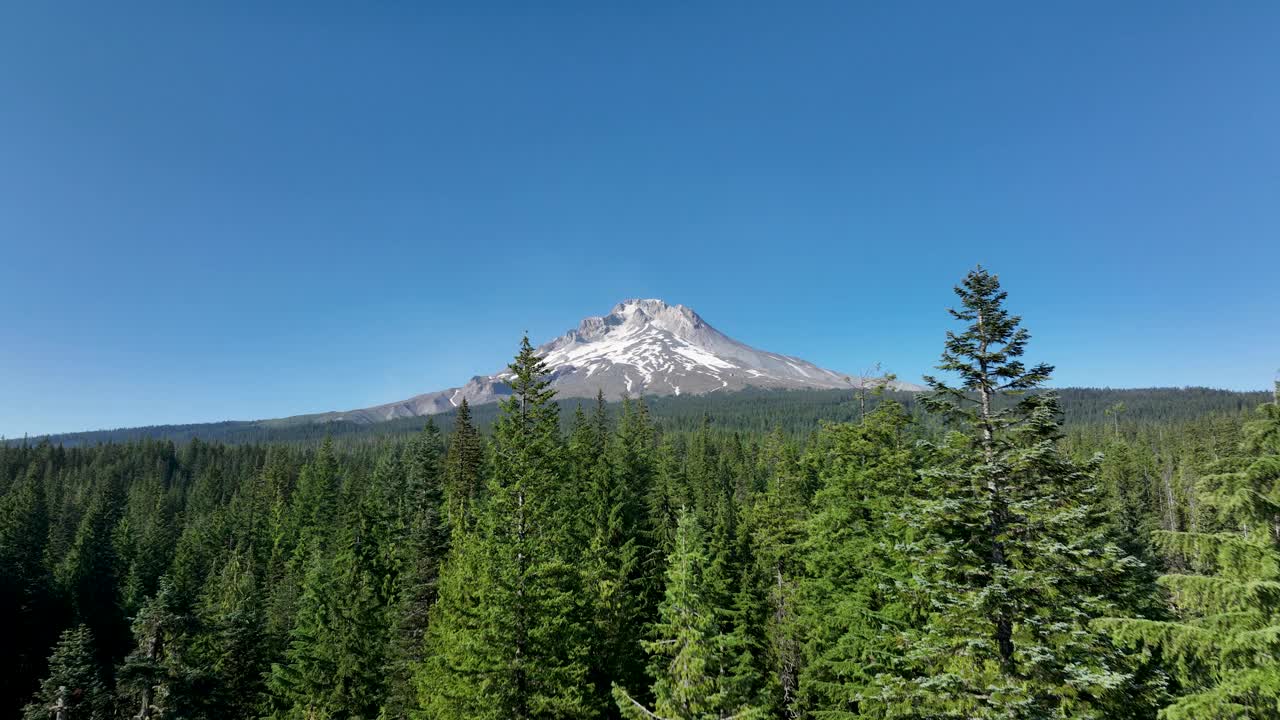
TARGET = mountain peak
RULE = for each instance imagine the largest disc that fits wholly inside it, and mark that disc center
(647, 346)
(645, 306)
(635, 313)
(644, 346)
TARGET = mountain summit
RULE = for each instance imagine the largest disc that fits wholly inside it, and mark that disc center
(642, 347)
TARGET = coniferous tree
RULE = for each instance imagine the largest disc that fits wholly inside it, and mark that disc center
(89, 573)
(635, 459)
(296, 686)
(310, 523)
(156, 680)
(74, 685)
(503, 641)
(425, 549)
(613, 576)
(326, 579)
(702, 470)
(25, 596)
(230, 647)
(380, 520)
(1013, 553)
(691, 659)
(856, 600)
(669, 493)
(315, 503)
(144, 539)
(584, 462)
(1223, 645)
(775, 519)
(333, 667)
(736, 587)
(464, 469)
(1131, 498)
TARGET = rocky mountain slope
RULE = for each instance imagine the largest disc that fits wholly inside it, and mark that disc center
(642, 347)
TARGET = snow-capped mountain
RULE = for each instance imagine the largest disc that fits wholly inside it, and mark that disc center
(642, 347)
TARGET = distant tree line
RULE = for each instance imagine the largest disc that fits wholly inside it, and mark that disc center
(797, 413)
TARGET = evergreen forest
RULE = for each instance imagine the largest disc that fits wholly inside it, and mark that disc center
(988, 548)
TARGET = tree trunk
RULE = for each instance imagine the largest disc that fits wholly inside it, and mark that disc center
(995, 491)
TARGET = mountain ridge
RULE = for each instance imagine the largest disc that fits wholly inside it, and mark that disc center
(643, 346)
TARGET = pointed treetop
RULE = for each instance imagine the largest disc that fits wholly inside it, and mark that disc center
(986, 354)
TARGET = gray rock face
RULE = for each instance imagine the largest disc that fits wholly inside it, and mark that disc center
(642, 347)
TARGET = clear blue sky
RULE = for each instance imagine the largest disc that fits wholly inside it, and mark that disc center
(275, 208)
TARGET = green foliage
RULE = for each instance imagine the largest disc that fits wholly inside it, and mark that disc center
(691, 657)
(615, 586)
(155, 678)
(89, 573)
(74, 683)
(816, 554)
(333, 667)
(1223, 643)
(775, 524)
(857, 593)
(503, 640)
(227, 642)
(419, 555)
(1011, 558)
(464, 468)
(25, 585)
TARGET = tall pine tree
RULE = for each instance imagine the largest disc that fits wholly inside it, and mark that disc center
(856, 589)
(426, 544)
(156, 680)
(74, 686)
(1013, 553)
(691, 658)
(614, 583)
(503, 641)
(464, 469)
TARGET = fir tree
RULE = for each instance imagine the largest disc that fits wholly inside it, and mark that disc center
(1131, 498)
(855, 590)
(1223, 645)
(746, 607)
(336, 662)
(584, 462)
(1013, 550)
(144, 539)
(310, 525)
(669, 493)
(333, 667)
(635, 459)
(702, 470)
(775, 520)
(156, 680)
(464, 469)
(230, 646)
(89, 573)
(503, 641)
(315, 505)
(74, 686)
(279, 582)
(613, 577)
(25, 597)
(425, 549)
(691, 660)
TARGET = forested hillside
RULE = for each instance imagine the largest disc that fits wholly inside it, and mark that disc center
(795, 412)
(963, 554)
